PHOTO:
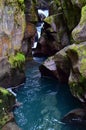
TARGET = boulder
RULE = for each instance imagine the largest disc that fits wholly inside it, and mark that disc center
(7, 100)
(12, 71)
(76, 116)
(58, 65)
(69, 65)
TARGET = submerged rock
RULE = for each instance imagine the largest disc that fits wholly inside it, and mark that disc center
(76, 116)
(11, 126)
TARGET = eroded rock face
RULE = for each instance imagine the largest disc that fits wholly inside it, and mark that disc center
(57, 26)
(79, 32)
(70, 11)
(77, 78)
(68, 65)
(31, 11)
(76, 116)
(12, 27)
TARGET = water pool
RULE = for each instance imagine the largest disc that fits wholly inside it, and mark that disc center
(44, 102)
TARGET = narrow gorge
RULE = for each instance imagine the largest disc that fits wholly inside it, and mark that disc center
(42, 64)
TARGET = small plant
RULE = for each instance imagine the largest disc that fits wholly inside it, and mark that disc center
(17, 60)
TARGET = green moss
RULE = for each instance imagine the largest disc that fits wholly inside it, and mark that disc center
(78, 88)
(21, 1)
(49, 19)
(17, 60)
(83, 15)
(4, 91)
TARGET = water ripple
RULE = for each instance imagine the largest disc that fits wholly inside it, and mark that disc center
(44, 102)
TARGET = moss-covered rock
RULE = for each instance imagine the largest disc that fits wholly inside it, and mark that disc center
(69, 65)
(7, 100)
(79, 33)
(58, 28)
(77, 79)
(17, 61)
(57, 66)
(71, 13)
(12, 28)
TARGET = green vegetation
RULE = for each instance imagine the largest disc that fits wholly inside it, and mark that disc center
(83, 15)
(4, 91)
(7, 100)
(21, 1)
(21, 4)
(78, 88)
(17, 60)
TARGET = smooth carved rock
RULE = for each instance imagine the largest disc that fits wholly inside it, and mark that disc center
(59, 66)
(76, 116)
(69, 65)
(11, 126)
(77, 78)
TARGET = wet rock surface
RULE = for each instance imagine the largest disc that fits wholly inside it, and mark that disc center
(77, 116)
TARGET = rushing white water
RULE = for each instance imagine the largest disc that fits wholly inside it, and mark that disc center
(40, 25)
(44, 12)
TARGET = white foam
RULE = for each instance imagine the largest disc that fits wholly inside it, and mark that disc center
(10, 90)
(44, 12)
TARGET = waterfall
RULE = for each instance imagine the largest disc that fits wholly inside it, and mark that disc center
(39, 26)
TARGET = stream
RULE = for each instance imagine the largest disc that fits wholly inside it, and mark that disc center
(44, 102)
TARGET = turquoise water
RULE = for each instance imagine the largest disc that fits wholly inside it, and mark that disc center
(44, 102)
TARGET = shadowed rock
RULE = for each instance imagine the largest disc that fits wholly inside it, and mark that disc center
(76, 116)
